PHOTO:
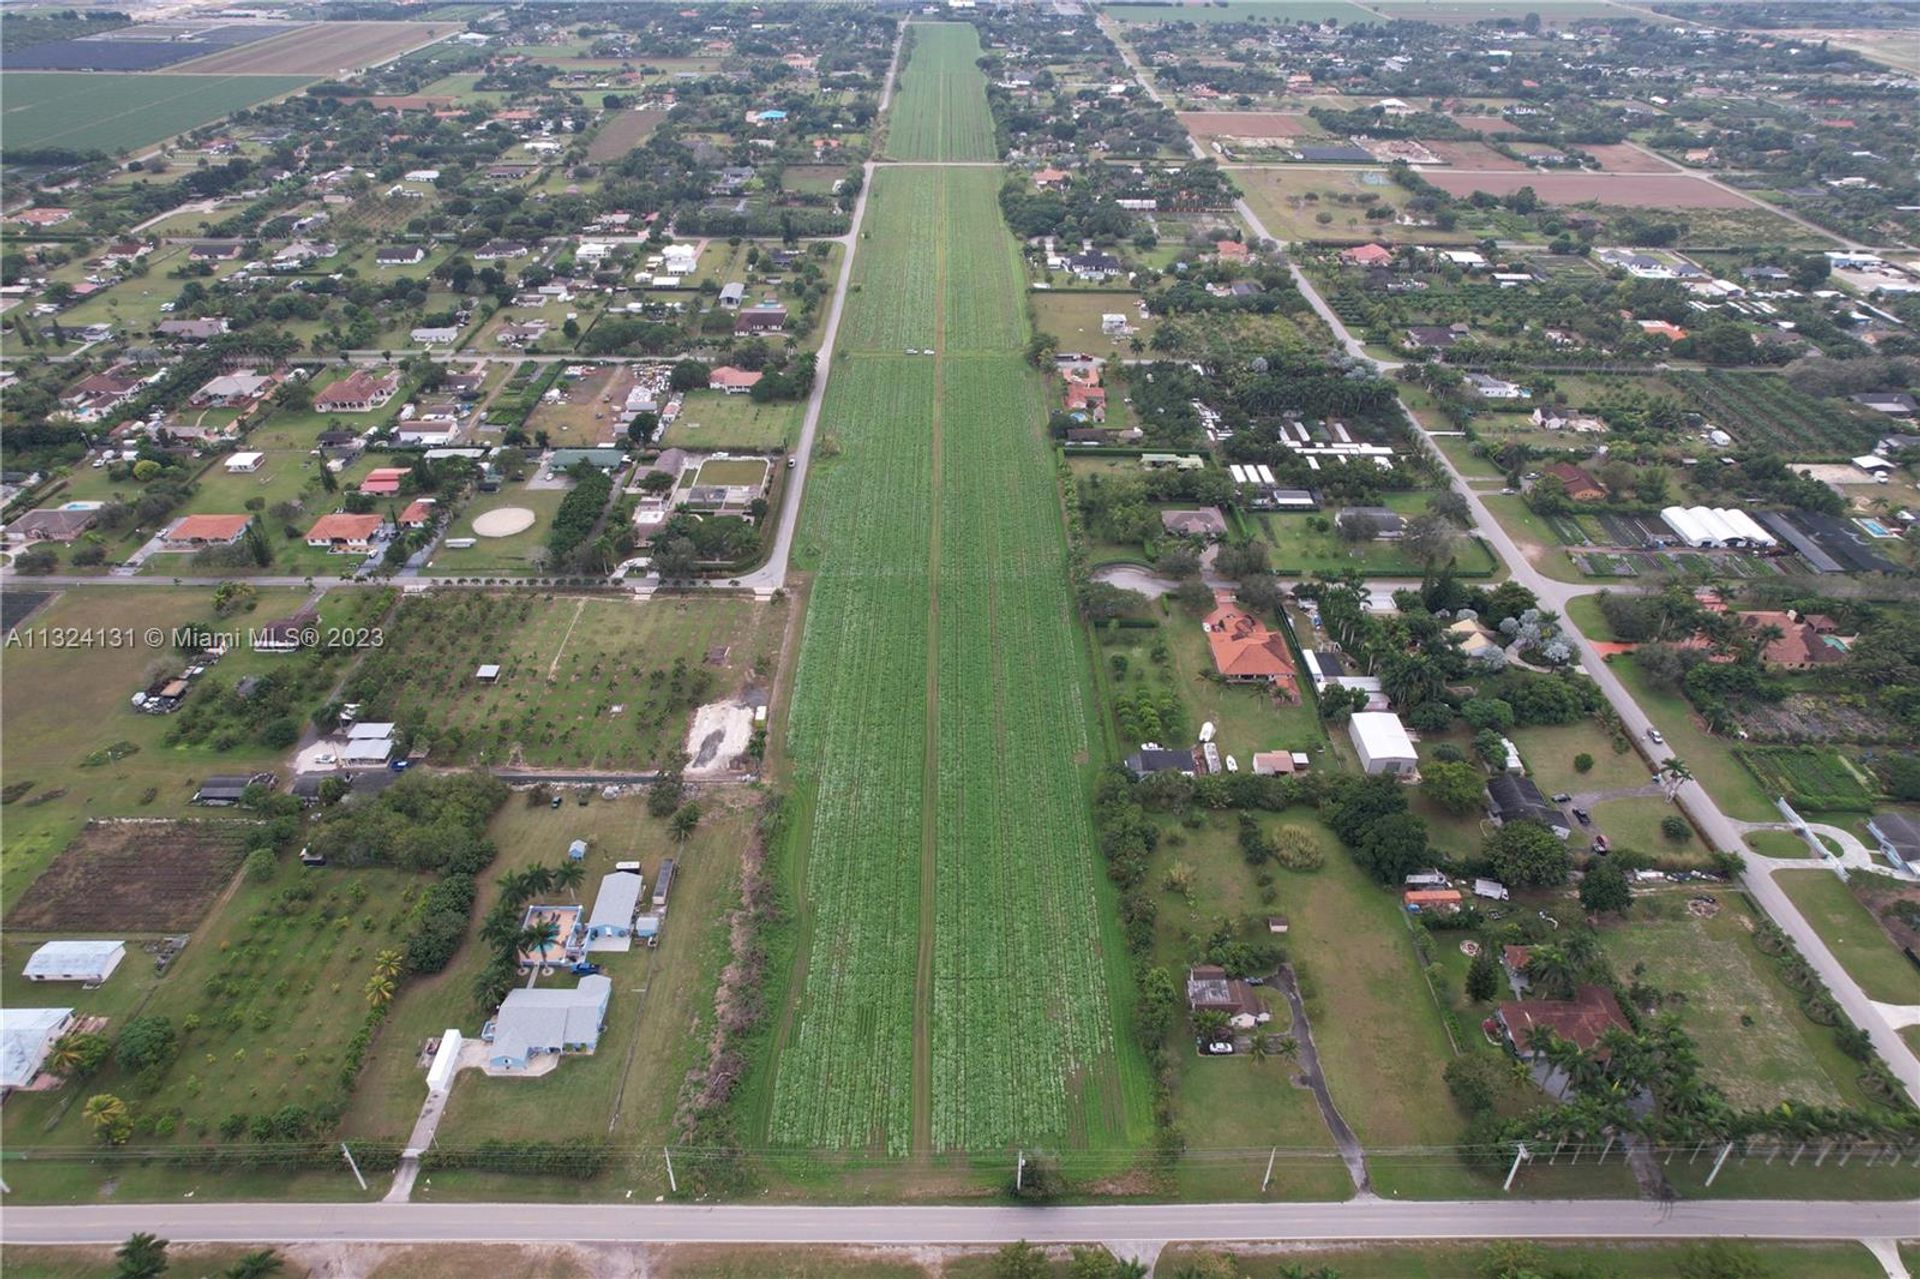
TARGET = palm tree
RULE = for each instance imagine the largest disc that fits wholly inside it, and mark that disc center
(104, 1111)
(1288, 1047)
(1674, 774)
(63, 1059)
(538, 879)
(379, 990)
(1210, 1024)
(255, 1265)
(387, 964)
(142, 1256)
(568, 876)
(1551, 972)
(536, 939)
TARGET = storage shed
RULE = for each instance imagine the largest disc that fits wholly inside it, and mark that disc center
(91, 962)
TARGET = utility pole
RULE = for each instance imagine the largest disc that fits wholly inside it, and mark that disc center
(672, 1184)
(1269, 1177)
(1724, 1152)
(351, 1164)
(1020, 1173)
(1519, 1156)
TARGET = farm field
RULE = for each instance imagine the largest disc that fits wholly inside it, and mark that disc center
(584, 683)
(1467, 12)
(72, 702)
(1291, 202)
(1470, 1261)
(941, 110)
(145, 877)
(1851, 933)
(114, 112)
(322, 49)
(1763, 411)
(925, 1013)
(1208, 125)
(1635, 191)
(623, 132)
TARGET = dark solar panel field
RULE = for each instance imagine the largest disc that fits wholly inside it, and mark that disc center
(139, 48)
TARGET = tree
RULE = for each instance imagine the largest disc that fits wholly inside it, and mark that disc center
(146, 1042)
(379, 991)
(142, 1256)
(1604, 890)
(387, 963)
(683, 821)
(1487, 712)
(255, 1265)
(1021, 1260)
(1483, 977)
(1583, 763)
(1455, 787)
(112, 1121)
(569, 875)
(1525, 854)
(1430, 539)
(1676, 829)
(1394, 848)
(78, 1053)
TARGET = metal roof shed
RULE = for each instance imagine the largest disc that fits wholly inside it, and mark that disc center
(91, 962)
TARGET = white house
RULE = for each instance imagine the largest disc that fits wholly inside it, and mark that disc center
(91, 962)
(1382, 743)
(610, 925)
(26, 1034)
(546, 1023)
(241, 463)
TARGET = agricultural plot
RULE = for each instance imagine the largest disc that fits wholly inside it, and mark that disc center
(1285, 11)
(940, 722)
(621, 133)
(940, 112)
(1811, 777)
(1762, 410)
(142, 877)
(149, 47)
(1632, 190)
(114, 113)
(327, 48)
(714, 420)
(582, 684)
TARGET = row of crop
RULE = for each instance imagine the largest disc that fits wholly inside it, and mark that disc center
(844, 1077)
(940, 112)
(1763, 410)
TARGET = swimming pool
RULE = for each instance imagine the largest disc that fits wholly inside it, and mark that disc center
(1874, 527)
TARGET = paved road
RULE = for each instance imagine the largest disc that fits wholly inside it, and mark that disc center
(1720, 832)
(1357, 1219)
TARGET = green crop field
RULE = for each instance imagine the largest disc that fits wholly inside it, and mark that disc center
(120, 112)
(940, 112)
(1244, 11)
(943, 848)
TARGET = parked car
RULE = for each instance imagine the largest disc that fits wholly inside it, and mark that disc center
(1582, 816)
(1563, 798)
(1653, 735)
(1222, 1049)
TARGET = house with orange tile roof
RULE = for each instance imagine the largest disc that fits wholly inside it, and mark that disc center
(194, 532)
(343, 534)
(1245, 651)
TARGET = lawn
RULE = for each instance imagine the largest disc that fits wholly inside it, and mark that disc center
(1549, 752)
(663, 997)
(1777, 843)
(71, 702)
(1074, 318)
(943, 720)
(1755, 1045)
(1300, 549)
(1470, 1261)
(523, 552)
(1291, 204)
(584, 683)
(940, 112)
(117, 113)
(1709, 758)
(715, 420)
(1852, 935)
(1635, 823)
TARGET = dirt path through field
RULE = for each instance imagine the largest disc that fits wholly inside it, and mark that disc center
(553, 667)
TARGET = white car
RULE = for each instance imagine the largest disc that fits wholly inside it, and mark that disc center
(1653, 735)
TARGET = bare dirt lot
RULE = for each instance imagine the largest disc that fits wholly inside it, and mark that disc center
(325, 48)
(1207, 125)
(1624, 157)
(1473, 155)
(135, 876)
(1639, 191)
(1488, 123)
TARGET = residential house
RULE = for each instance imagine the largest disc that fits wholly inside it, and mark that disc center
(1245, 651)
(1382, 743)
(1093, 266)
(361, 391)
(400, 255)
(233, 390)
(419, 513)
(245, 463)
(1206, 522)
(1513, 961)
(731, 381)
(1085, 396)
(1513, 797)
(62, 525)
(1051, 179)
(1435, 337)
(91, 962)
(192, 330)
(343, 534)
(533, 1024)
(1892, 404)
(435, 335)
(384, 481)
(1476, 641)
(1386, 524)
(1529, 1025)
(42, 218)
(1155, 759)
(1209, 989)
(223, 790)
(1555, 419)
(27, 1035)
(500, 251)
(1803, 642)
(1662, 329)
(1579, 483)
(216, 251)
(93, 397)
(1368, 255)
(732, 295)
(767, 317)
(287, 634)
(195, 532)
(1488, 387)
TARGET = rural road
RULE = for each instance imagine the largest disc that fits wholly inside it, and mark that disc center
(1354, 1219)
(1719, 832)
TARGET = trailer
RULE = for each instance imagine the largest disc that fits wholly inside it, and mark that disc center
(662, 884)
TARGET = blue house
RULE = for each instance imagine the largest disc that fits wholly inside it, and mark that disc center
(533, 1024)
